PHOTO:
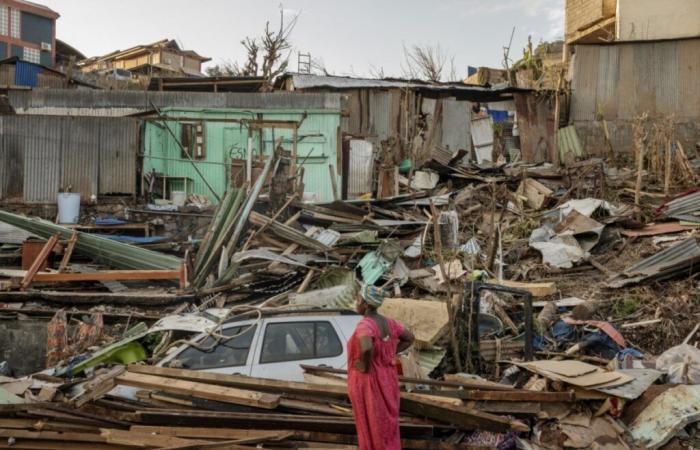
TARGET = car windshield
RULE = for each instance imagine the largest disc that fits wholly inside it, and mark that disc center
(213, 351)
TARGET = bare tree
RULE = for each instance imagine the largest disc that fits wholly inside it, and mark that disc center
(274, 44)
(426, 62)
(319, 66)
(267, 56)
(377, 72)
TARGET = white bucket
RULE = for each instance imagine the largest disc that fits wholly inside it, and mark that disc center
(179, 198)
(68, 207)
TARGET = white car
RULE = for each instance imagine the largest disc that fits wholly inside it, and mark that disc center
(273, 346)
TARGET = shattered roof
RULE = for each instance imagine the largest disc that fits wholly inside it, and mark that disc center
(312, 81)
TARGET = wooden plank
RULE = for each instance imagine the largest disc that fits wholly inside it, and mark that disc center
(69, 252)
(200, 390)
(243, 382)
(19, 424)
(52, 436)
(277, 421)
(146, 440)
(509, 396)
(317, 408)
(657, 229)
(34, 444)
(201, 432)
(451, 381)
(466, 418)
(536, 289)
(108, 275)
(74, 417)
(39, 262)
(98, 386)
(236, 444)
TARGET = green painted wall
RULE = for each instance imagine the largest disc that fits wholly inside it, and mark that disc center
(316, 149)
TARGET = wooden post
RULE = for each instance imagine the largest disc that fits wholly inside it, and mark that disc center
(334, 185)
(667, 167)
(445, 276)
(295, 136)
(249, 161)
(557, 118)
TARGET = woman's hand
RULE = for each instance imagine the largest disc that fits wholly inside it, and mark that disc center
(360, 366)
(405, 340)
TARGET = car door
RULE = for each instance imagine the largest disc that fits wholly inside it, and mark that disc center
(230, 353)
(286, 343)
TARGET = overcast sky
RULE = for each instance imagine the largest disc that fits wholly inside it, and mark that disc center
(350, 37)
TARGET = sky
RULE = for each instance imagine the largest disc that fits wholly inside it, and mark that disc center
(348, 37)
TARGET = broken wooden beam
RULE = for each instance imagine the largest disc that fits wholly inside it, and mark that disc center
(69, 252)
(242, 382)
(108, 275)
(30, 276)
(200, 390)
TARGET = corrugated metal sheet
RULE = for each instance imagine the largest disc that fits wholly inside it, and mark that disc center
(40, 140)
(27, 74)
(7, 75)
(95, 156)
(12, 235)
(311, 81)
(680, 207)
(120, 142)
(361, 168)
(120, 103)
(380, 114)
(666, 415)
(482, 131)
(570, 148)
(456, 129)
(79, 159)
(664, 264)
(626, 79)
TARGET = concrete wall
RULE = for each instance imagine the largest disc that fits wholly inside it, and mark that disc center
(23, 345)
(654, 20)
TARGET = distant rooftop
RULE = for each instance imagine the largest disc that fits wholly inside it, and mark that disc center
(294, 81)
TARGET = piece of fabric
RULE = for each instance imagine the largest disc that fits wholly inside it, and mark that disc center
(375, 394)
(605, 327)
(373, 295)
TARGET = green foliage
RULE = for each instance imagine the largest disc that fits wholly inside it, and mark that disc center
(625, 307)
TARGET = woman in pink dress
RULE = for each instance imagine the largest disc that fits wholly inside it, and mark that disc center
(373, 385)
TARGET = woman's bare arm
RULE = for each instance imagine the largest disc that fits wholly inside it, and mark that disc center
(366, 348)
(405, 340)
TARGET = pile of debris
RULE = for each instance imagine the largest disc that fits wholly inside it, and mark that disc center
(558, 403)
(571, 290)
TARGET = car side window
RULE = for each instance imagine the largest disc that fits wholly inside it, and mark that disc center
(294, 341)
(212, 352)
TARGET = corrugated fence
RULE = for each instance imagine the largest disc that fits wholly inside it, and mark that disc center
(620, 81)
(39, 155)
